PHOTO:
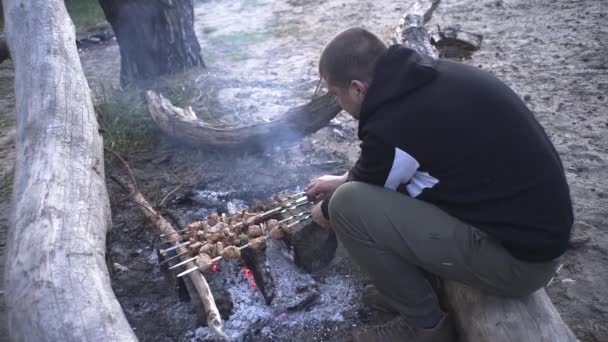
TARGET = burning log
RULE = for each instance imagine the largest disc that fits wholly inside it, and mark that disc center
(480, 316)
(256, 261)
(184, 125)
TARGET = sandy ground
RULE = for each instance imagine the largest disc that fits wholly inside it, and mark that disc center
(551, 52)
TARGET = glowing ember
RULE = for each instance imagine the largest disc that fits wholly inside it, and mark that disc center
(249, 275)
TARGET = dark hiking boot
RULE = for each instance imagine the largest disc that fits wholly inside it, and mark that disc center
(398, 330)
(373, 298)
(443, 332)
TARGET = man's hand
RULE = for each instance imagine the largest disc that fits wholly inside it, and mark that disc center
(319, 188)
(317, 216)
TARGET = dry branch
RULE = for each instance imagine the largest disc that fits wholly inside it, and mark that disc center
(162, 226)
(480, 316)
(183, 124)
(58, 285)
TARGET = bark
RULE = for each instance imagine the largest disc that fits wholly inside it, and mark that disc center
(452, 42)
(411, 32)
(483, 317)
(156, 37)
(184, 125)
(58, 285)
(4, 52)
(480, 316)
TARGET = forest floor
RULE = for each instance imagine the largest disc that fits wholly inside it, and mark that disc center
(551, 52)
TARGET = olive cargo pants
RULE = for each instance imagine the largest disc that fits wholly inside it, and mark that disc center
(393, 237)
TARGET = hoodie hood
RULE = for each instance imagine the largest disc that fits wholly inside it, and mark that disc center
(398, 71)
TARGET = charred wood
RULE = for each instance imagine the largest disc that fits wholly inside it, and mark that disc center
(256, 261)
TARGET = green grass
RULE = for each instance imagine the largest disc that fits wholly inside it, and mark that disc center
(84, 13)
(123, 114)
(237, 39)
(127, 126)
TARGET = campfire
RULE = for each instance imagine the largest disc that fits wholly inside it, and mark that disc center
(258, 263)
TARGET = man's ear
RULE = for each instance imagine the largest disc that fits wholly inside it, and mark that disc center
(359, 88)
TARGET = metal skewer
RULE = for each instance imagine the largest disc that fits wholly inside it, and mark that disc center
(285, 209)
(301, 193)
(294, 216)
(183, 263)
(175, 232)
(172, 258)
(188, 271)
(164, 251)
(279, 210)
(299, 221)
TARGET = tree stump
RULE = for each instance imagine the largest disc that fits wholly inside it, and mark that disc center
(156, 37)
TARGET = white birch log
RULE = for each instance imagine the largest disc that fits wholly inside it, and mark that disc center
(58, 285)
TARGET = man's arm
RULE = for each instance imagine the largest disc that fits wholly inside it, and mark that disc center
(380, 164)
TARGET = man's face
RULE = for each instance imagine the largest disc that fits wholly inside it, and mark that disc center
(349, 98)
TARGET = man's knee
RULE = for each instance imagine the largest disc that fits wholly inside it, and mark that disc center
(345, 201)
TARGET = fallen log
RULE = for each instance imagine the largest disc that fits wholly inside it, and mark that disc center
(184, 125)
(453, 42)
(162, 226)
(480, 316)
(57, 282)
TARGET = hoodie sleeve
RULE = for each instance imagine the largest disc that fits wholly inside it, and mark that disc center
(380, 164)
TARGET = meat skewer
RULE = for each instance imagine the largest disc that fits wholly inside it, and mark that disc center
(282, 208)
(252, 243)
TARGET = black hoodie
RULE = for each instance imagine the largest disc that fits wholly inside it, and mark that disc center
(457, 137)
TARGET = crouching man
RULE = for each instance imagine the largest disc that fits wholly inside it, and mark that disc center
(456, 179)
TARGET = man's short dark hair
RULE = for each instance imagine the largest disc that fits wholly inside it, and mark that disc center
(351, 55)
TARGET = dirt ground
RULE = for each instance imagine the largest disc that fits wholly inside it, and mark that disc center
(552, 52)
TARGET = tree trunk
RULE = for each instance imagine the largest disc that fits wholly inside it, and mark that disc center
(4, 52)
(58, 285)
(480, 316)
(156, 37)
